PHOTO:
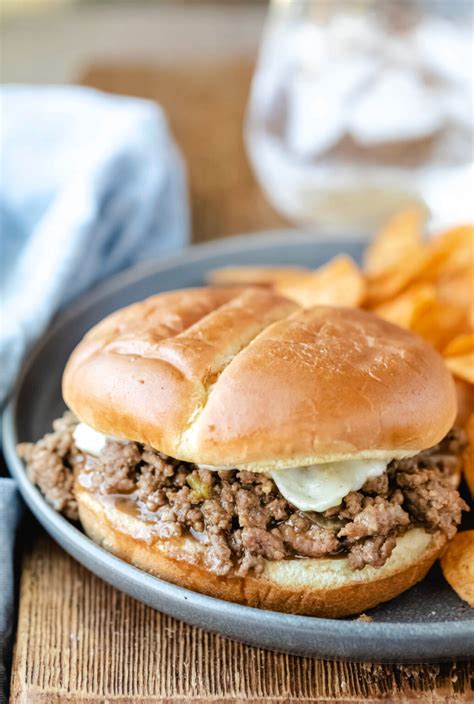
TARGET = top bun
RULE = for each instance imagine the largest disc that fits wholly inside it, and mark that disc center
(246, 378)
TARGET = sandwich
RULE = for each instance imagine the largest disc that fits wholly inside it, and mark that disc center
(231, 442)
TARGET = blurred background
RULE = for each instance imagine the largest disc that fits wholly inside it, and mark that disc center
(196, 59)
(357, 107)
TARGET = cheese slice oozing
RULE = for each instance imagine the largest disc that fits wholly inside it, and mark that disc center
(88, 440)
(313, 488)
(322, 486)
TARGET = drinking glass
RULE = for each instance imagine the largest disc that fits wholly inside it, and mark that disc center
(359, 107)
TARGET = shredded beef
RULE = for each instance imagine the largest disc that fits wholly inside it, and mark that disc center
(241, 517)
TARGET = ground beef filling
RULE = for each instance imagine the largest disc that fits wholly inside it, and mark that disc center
(241, 517)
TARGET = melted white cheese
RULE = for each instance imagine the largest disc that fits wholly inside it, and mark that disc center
(322, 486)
(216, 467)
(88, 440)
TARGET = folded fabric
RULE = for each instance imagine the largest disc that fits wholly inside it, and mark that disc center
(90, 184)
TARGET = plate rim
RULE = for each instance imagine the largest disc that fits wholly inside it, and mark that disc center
(415, 633)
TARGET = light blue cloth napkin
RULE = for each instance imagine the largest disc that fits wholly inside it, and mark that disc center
(90, 184)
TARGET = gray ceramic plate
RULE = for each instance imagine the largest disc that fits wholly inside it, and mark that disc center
(428, 622)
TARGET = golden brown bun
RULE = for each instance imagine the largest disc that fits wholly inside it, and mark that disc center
(247, 378)
(317, 587)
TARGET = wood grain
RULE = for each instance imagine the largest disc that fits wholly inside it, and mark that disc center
(81, 640)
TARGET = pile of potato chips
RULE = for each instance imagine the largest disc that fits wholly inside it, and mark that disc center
(423, 284)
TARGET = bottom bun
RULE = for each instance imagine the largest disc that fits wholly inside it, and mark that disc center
(325, 587)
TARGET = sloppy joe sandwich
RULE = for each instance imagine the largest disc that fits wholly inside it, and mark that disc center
(231, 442)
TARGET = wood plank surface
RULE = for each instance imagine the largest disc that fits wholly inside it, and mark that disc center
(81, 640)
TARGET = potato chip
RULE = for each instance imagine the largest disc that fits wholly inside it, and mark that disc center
(465, 399)
(388, 285)
(462, 367)
(396, 256)
(450, 251)
(255, 275)
(395, 243)
(407, 306)
(457, 287)
(440, 322)
(460, 345)
(338, 283)
(459, 357)
(468, 457)
(457, 564)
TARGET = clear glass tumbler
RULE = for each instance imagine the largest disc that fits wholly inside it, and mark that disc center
(359, 107)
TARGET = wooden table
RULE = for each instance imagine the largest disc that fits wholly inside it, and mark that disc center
(79, 639)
